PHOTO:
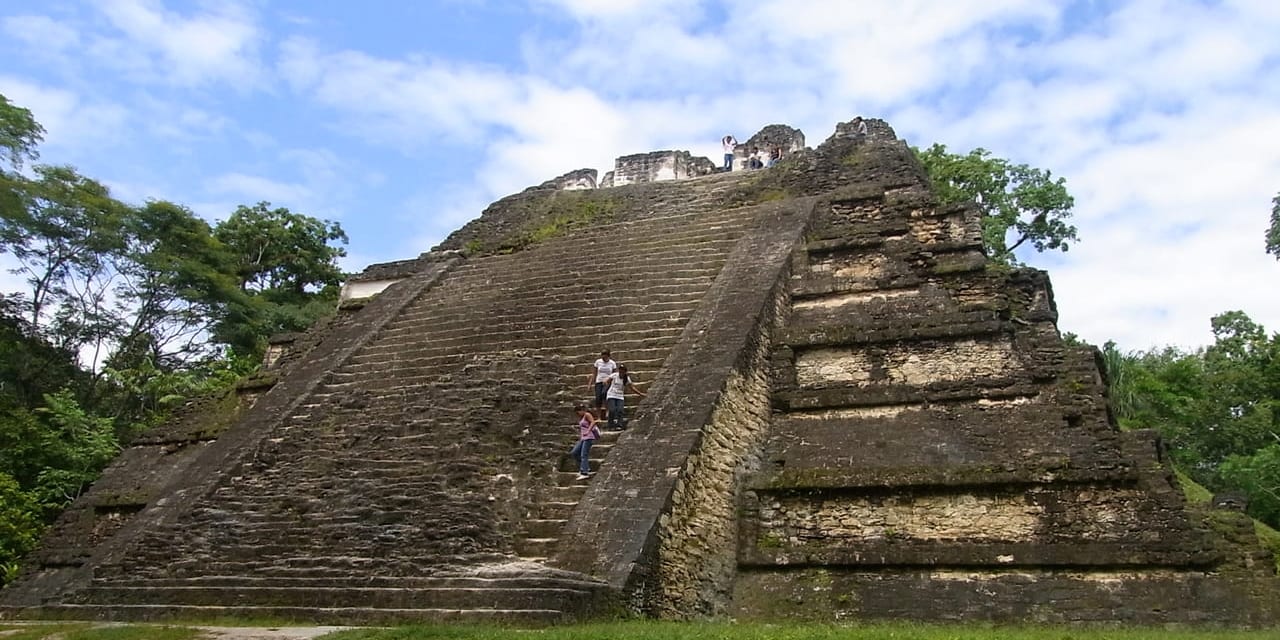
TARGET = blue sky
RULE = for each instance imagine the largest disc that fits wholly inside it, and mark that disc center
(402, 120)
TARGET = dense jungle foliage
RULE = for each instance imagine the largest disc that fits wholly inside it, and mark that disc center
(112, 314)
(1217, 408)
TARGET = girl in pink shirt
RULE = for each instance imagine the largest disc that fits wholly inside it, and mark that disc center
(587, 434)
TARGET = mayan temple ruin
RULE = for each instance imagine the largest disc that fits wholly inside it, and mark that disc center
(852, 415)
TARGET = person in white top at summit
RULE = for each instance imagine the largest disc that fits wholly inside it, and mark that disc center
(728, 143)
(603, 368)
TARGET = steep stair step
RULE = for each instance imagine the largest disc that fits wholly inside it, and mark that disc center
(452, 317)
(536, 547)
(332, 597)
(571, 491)
(405, 582)
(670, 301)
(512, 339)
(543, 528)
(331, 615)
(549, 272)
(591, 317)
(442, 357)
(662, 249)
(558, 510)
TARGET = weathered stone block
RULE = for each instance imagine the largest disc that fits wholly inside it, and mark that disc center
(906, 365)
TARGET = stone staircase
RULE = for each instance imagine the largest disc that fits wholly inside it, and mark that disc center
(327, 600)
(425, 476)
(541, 536)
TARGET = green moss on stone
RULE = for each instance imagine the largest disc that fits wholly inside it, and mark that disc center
(998, 268)
(215, 417)
(258, 381)
(761, 187)
(561, 213)
(774, 195)
(1194, 493)
(769, 541)
(977, 474)
(855, 159)
(1270, 539)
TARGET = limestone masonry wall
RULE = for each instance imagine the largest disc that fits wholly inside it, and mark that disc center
(657, 166)
(696, 554)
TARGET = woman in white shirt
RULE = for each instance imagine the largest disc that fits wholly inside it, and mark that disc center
(618, 382)
(597, 382)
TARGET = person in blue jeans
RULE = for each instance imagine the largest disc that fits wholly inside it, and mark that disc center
(600, 371)
(587, 434)
(728, 143)
(618, 383)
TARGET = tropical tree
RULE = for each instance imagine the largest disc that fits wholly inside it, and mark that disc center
(175, 282)
(1218, 407)
(281, 252)
(287, 264)
(64, 237)
(123, 312)
(20, 134)
(1020, 205)
(29, 366)
(21, 522)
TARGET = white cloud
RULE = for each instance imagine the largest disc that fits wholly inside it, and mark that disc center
(395, 98)
(252, 189)
(71, 122)
(314, 181)
(10, 282)
(40, 32)
(216, 45)
(214, 209)
(596, 9)
(178, 121)
(300, 62)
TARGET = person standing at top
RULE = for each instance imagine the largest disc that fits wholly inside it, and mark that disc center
(729, 143)
(619, 382)
(600, 372)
